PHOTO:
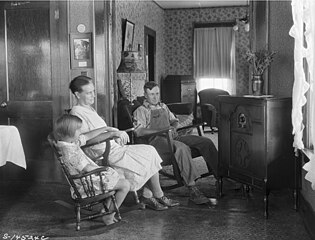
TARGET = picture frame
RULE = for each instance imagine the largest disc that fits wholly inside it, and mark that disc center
(129, 35)
(81, 49)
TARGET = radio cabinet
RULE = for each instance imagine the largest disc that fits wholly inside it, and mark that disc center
(255, 144)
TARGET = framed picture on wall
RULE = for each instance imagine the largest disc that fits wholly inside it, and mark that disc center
(128, 37)
(81, 50)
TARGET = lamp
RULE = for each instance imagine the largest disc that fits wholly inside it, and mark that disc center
(130, 63)
(246, 26)
(245, 21)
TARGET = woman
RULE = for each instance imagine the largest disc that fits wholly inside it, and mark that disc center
(139, 164)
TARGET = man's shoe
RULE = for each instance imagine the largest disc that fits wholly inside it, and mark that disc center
(152, 203)
(197, 197)
(167, 201)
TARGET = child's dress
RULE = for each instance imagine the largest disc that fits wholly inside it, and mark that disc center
(75, 161)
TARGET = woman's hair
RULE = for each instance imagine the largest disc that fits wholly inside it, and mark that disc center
(66, 125)
(78, 82)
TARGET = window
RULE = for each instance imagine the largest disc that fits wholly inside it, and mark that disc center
(303, 95)
(220, 83)
(214, 57)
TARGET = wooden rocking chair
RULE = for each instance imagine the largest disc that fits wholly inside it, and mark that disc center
(125, 121)
(90, 197)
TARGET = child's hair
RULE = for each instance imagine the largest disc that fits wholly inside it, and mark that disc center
(66, 125)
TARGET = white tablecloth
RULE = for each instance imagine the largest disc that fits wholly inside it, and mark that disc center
(11, 149)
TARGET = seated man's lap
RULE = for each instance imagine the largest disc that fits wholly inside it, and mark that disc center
(196, 141)
(205, 147)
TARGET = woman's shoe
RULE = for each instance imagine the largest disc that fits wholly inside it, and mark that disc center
(167, 201)
(153, 204)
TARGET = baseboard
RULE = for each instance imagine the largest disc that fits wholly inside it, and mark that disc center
(308, 216)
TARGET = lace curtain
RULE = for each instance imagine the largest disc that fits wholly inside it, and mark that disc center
(303, 32)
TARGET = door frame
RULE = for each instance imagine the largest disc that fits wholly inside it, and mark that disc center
(60, 58)
(104, 64)
(148, 32)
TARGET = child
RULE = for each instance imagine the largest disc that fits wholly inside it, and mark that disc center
(69, 139)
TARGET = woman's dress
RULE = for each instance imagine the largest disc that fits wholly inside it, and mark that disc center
(137, 163)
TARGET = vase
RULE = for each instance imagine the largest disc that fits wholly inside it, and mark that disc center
(257, 85)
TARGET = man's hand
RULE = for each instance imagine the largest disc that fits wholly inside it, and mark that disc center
(174, 132)
(174, 123)
(122, 137)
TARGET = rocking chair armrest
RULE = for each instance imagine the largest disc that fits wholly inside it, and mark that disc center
(164, 132)
(208, 107)
(95, 171)
(157, 133)
(129, 129)
(95, 141)
(196, 125)
(99, 139)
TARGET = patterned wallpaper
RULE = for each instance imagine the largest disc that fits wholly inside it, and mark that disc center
(179, 40)
(174, 32)
(142, 13)
(281, 75)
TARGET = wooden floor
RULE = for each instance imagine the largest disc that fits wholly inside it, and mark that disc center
(33, 205)
(41, 210)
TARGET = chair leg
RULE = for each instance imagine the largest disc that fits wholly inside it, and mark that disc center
(116, 207)
(138, 205)
(106, 204)
(78, 217)
(136, 197)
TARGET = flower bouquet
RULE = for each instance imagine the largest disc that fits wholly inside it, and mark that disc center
(259, 60)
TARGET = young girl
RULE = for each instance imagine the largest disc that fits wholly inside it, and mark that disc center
(69, 139)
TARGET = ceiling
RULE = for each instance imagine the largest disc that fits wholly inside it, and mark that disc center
(168, 4)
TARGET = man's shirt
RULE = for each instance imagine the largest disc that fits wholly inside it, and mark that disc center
(142, 115)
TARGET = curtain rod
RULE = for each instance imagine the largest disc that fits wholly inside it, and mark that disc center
(215, 24)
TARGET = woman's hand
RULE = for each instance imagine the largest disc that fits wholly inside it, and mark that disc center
(112, 129)
(88, 168)
(122, 137)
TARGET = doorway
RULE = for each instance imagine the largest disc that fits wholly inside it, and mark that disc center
(31, 70)
(150, 52)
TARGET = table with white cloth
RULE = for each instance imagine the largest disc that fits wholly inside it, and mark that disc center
(11, 149)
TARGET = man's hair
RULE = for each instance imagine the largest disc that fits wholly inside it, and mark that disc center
(149, 85)
(66, 125)
(78, 82)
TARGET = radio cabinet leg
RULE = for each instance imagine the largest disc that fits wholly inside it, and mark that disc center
(266, 213)
(220, 186)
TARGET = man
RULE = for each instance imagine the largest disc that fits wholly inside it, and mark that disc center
(153, 116)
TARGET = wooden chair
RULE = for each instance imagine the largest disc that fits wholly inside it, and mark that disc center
(90, 197)
(168, 158)
(126, 109)
(102, 160)
(209, 106)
